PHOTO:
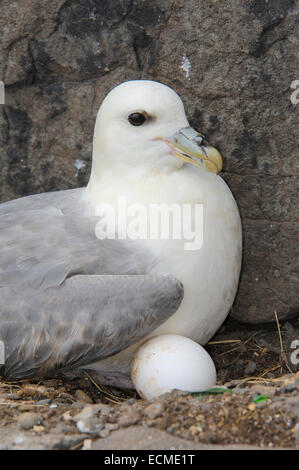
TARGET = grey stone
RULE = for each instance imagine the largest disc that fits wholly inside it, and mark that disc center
(291, 404)
(104, 433)
(29, 419)
(154, 410)
(128, 416)
(240, 390)
(288, 388)
(260, 389)
(250, 368)
(45, 401)
(86, 412)
(111, 426)
(18, 440)
(87, 420)
(82, 396)
(89, 425)
(60, 58)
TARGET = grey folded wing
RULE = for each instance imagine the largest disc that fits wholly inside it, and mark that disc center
(48, 237)
(68, 299)
(86, 319)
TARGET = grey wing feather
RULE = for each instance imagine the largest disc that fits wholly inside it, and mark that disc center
(60, 306)
(48, 237)
(85, 320)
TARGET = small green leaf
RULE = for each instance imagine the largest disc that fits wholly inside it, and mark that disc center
(212, 391)
(260, 398)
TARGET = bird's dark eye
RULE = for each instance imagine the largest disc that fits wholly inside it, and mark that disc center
(136, 119)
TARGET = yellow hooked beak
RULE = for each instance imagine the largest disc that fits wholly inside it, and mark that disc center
(191, 147)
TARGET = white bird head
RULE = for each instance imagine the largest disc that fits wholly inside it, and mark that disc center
(142, 126)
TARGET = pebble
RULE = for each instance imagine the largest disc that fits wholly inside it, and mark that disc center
(18, 440)
(105, 410)
(29, 419)
(275, 405)
(288, 388)
(129, 415)
(14, 396)
(263, 390)
(194, 430)
(154, 410)
(262, 404)
(250, 368)
(46, 401)
(64, 428)
(38, 428)
(242, 347)
(111, 426)
(104, 433)
(87, 421)
(86, 412)
(82, 396)
(292, 405)
(240, 390)
(67, 415)
(87, 443)
(170, 429)
(108, 428)
(89, 425)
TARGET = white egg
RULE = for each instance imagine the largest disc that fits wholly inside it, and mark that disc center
(168, 362)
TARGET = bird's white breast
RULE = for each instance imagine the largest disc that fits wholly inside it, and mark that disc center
(210, 274)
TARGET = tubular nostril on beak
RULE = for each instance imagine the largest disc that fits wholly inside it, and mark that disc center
(201, 140)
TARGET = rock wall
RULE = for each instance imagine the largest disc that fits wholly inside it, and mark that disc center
(232, 62)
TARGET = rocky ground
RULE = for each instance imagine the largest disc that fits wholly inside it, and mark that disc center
(257, 404)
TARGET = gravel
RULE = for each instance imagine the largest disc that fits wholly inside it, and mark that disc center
(260, 410)
(245, 414)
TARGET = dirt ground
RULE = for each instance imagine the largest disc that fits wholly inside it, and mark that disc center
(256, 403)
